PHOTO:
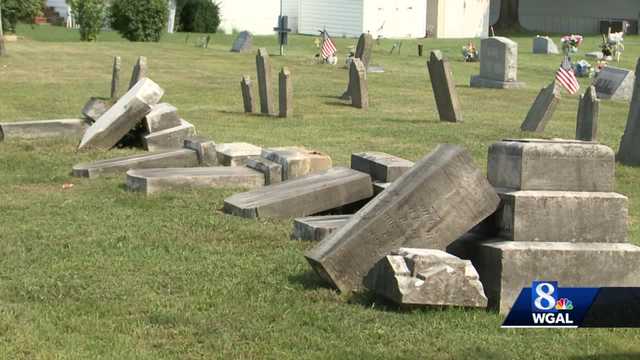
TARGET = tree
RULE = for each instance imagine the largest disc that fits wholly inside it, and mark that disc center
(509, 16)
(19, 10)
(139, 20)
(199, 16)
(89, 15)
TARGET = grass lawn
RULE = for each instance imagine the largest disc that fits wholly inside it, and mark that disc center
(98, 272)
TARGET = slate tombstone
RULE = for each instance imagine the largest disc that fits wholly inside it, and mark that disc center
(444, 88)
(265, 84)
(286, 93)
(247, 94)
(359, 86)
(243, 43)
(542, 109)
(614, 84)
(498, 64)
(115, 77)
(588, 113)
(139, 71)
(363, 52)
(544, 45)
(629, 152)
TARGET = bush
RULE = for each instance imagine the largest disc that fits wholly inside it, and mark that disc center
(89, 15)
(139, 20)
(19, 10)
(199, 16)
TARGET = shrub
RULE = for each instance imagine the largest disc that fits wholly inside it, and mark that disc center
(19, 10)
(139, 20)
(89, 16)
(199, 16)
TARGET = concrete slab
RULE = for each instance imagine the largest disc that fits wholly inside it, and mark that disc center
(71, 128)
(120, 165)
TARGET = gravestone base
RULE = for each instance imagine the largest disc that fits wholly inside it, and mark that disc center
(480, 82)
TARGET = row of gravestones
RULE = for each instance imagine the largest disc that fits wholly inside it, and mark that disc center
(265, 88)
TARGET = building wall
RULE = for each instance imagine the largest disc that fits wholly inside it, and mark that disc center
(395, 18)
(339, 17)
(257, 16)
(454, 19)
(291, 8)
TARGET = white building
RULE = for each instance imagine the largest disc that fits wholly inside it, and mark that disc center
(257, 16)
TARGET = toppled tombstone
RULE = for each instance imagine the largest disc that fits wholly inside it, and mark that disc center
(72, 128)
(272, 170)
(139, 71)
(316, 228)
(444, 88)
(304, 196)
(171, 138)
(205, 148)
(411, 277)
(629, 152)
(151, 181)
(439, 199)
(162, 116)
(236, 154)
(297, 161)
(243, 43)
(381, 166)
(379, 187)
(542, 109)
(588, 114)
(123, 116)
(95, 107)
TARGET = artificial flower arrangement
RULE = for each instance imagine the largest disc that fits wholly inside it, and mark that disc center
(470, 53)
(612, 46)
(571, 43)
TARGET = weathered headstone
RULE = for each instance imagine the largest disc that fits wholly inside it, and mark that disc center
(120, 165)
(304, 196)
(243, 43)
(139, 71)
(125, 114)
(553, 165)
(542, 109)
(379, 187)
(162, 116)
(614, 84)
(544, 45)
(72, 128)
(444, 88)
(411, 277)
(297, 161)
(95, 108)
(381, 166)
(171, 138)
(286, 93)
(363, 52)
(272, 171)
(115, 77)
(629, 152)
(236, 154)
(265, 84)
(358, 84)
(588, 114)
(151, 181)
(247, 95)
(316, 228)
(442, 197)
(498, 64)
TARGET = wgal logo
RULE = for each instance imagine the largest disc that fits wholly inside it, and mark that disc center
(546, 307)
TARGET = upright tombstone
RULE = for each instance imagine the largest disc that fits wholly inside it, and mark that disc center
(247, 94)
(286, 93)
(629, 152)
(363, 52)
(444, 88)
(115, 77)
(243, 43)
(542, 109)
(139, 71)
(588, 113)
(498, 64)
(265, 84)
(544, 45)
(614, 84)
(359, 86)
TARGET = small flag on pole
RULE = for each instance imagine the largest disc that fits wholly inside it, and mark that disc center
(328, 47)
(566, 77)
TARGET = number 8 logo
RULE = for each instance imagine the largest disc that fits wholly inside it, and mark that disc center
(545, 292)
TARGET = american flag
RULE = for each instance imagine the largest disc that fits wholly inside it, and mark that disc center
(328, 47)
(566, 77)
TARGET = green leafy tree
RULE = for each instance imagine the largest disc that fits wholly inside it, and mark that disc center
(14, 11)
(139, 20)
(199, 16)
(89, 15)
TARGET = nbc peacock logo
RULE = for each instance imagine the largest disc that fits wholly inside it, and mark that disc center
(564, 304)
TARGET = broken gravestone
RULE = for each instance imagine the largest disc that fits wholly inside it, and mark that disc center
(588, 114)
(286, 93)
(316, 228)
(412, 277)
(171, 138)
(204, 148)
(297, 161)
(265, 84)
(243, 43)
(236, 154)
(247, 95)
(381, 166)
(72, 128)
(629, 152)
(139, 71)
(162, 116)
(444, 88)
(442, 197)
(272, 170)
(95, 107)
(542, 109)
(358, 84)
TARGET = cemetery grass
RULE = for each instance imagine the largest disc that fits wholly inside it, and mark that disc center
(97, 272)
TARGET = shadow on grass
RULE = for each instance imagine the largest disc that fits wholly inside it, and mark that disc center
(630, 356)
(309, 281)
(338, 103)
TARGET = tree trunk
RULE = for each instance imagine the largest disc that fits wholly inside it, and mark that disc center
(509, 16)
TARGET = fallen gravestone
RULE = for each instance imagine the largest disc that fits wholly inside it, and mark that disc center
(139, 71)
(544, 45)
(151, 181)
(243, 43)
(162, 117)
(379, 187)
(236, 154)
(358, 84)
(614, 84)
(304, 196)
(120, 165)
(265, 84)
(247, 95)
(381, 166)
(629, 152)
(171, 138)
(316, 228)
(72, 128)
(411, 277)
(286, 93)
(498, 64)
(297, 161)
(95, 107)
(542, 109)
(204, 148)
(444, 88)
(124, 115)
(554, 165)
(115, 77)
(272, 170)
(439, 199)
(588, 114)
